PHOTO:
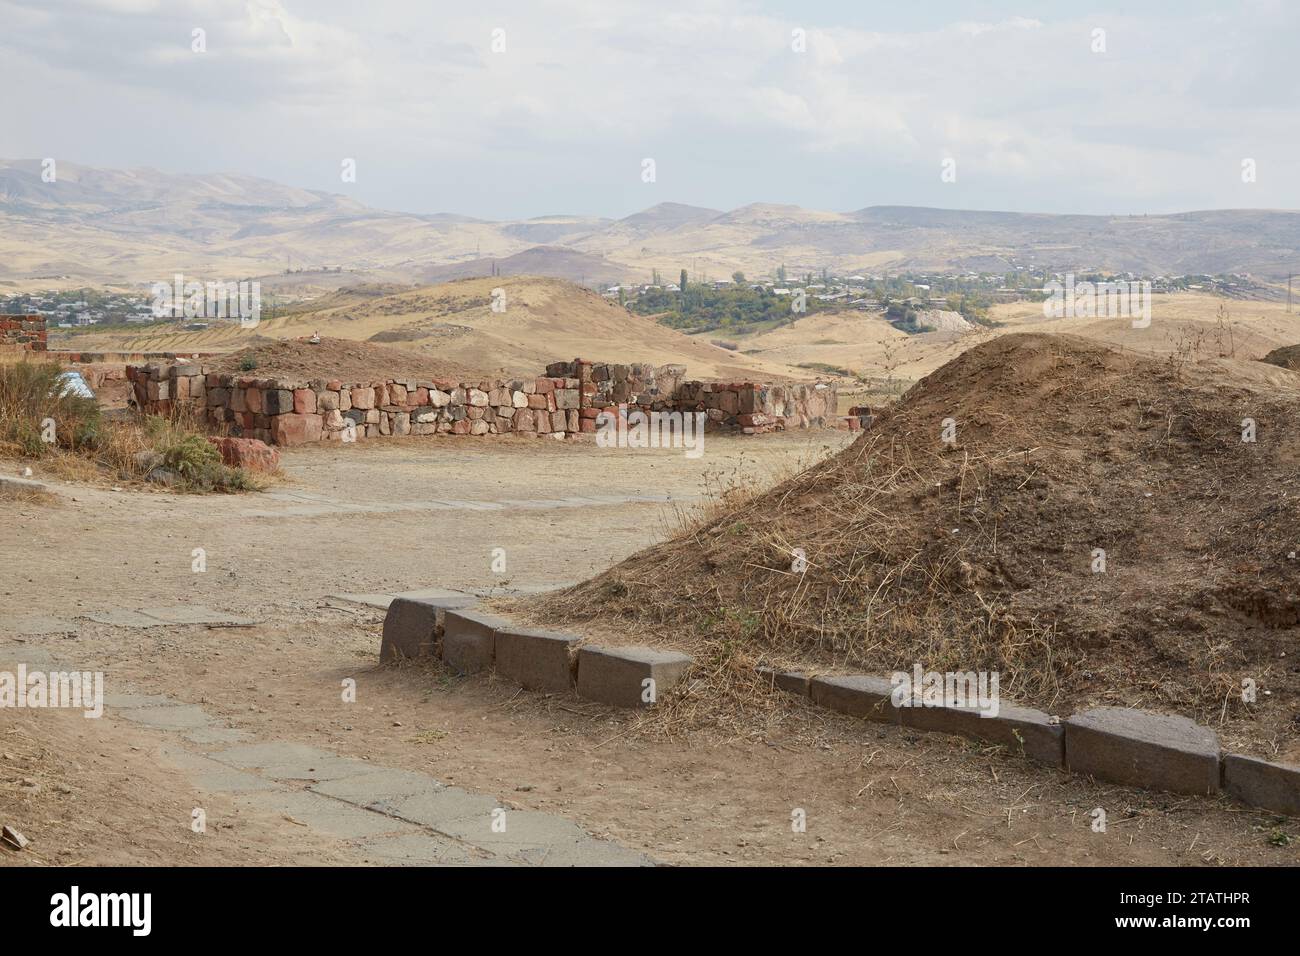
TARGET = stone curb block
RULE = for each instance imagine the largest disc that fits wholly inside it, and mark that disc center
(536, 659)
(792, 682)
(410, 630)
(469, 640)
(1020, 729)
(615, 675)
(857, 695)
(1273, 786)
(1140, 749)
(22, 484)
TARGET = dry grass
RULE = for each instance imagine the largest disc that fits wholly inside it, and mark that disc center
(73, 441)
(976, 555)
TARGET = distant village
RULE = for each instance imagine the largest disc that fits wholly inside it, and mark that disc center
(900, 297)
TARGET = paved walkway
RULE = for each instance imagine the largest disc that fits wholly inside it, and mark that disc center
(383, 815)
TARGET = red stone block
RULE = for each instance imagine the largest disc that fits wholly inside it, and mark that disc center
(296, 429)
(304, 401)
(247, 453)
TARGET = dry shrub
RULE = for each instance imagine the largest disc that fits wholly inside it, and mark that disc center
(171, 449)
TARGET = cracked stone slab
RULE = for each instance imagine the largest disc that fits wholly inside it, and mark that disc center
(289, 761)
(208, 774)
(37, 625)
(194, 614)
(26, 654)
(121, 617)
(370, 600)
(328, 816)
(170, 717)
(437, 808)
(208, 736)
(381, 786)
(136, 701)
(423, 849)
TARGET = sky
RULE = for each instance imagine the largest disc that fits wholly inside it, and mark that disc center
(505, 110)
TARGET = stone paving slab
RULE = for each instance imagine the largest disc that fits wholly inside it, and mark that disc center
(437, 808)
(160, 616)
(380, 601)
(424, 849)
(195, 614)
(211, 736)
(381, 785)
(174, 717)
(121, 617)
(36, 625)
(26, 654)
(208, 774)
(136, 701)
(332, 817)
(288, 761)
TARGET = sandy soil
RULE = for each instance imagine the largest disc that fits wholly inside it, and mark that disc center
(720, 795)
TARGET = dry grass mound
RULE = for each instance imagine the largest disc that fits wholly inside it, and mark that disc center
(1287, 357)
(980, 554)
(342, 359)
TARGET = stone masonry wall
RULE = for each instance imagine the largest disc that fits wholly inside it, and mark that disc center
(748, 407)
(22, 333)
(566, 401)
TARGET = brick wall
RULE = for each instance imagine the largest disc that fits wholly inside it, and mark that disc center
(22, 333)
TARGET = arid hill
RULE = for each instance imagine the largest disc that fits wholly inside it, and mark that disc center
(986, 553)
(544, 320)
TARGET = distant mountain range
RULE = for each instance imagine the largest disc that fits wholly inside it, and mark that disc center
(107, 226)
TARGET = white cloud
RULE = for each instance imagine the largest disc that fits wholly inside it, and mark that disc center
(712, 88)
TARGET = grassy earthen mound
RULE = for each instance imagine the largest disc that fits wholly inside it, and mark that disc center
(980, 553)
(342, 359)
(1287, 357)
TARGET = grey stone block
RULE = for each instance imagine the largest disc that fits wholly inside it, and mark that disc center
(1141, 749)
(617, 675)
(792, 682)
(410, 630)
(536, 659)
(1260, 783)
(856, 695)
(1020, 729)
(469, 640)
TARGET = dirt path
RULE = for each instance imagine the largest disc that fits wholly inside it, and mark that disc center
(400, 516)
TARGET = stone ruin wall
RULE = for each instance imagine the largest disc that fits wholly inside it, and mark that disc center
(22, 333)
(566, 401)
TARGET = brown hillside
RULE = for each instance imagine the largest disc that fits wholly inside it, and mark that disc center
(339, 359)
(978, 555)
